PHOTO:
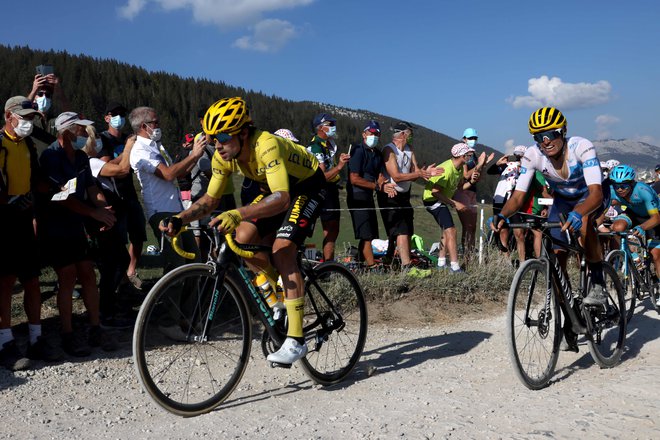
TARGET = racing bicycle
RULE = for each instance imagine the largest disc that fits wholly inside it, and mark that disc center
(193, 334)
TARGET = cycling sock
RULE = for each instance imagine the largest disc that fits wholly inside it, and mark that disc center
(295, 309)
(5, 336)
(596, 270)
(442, 262)
(35, 332)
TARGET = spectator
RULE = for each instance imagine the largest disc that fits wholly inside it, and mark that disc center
(18, 179)
(43, 89)
(468, 196)
(156, 173)
(134, 229)
(113, 258)
(61, 228)
(184, 181)
(286, 134)
(400, 168)
(323, 146)
(656, 185)
(364, 178)
(438, 198)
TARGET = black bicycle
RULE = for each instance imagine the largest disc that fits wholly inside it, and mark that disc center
(193, 333)
(540, 289)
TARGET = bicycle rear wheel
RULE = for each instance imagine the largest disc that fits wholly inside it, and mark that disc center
(335, 323)
(192, 340)
(607, 325)
(534, 330)
(617, 258)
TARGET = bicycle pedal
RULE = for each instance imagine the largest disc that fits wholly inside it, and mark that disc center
(278, 365)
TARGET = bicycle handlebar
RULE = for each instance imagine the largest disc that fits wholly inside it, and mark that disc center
(237, 250)
(191, 255)
(178, 249)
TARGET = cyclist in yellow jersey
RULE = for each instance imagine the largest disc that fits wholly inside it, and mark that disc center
(293, 189)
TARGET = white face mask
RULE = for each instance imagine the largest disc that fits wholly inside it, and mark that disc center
(43, 103)
(155, 134)
(23, 128)
(371, 141)
(471, 143)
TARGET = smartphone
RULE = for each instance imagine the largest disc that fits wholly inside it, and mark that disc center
(45, 69)
(350, 147)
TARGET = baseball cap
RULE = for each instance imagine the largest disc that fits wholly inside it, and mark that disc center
(373, 127)
(460, 149)
(322, 118)
(519, 150)
(286, 134)
(402, 126)
(20, 105)
(67, 119)
(114, 107)
(470, 132)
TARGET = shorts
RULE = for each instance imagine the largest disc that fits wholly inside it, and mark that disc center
(330, 208)
(20, 253)
(136, 224)
(468, 198)
(398, 219)
(563, 206)
(297, 223)
(364, 218)
(653, 236)
(441, 214)
(61, 251)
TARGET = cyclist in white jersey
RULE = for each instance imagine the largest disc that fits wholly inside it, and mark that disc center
(571, 168)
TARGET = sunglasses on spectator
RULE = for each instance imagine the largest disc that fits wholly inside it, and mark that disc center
(473, 138)
(221, 138)
(44, 93)
(621, 186)
(550, 135)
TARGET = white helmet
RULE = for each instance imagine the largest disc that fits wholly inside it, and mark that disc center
(611, 164)
(152, 250)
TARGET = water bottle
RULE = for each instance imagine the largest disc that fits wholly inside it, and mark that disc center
(268, 292)
(637, 261)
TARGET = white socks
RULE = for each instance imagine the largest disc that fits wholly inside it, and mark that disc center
(442, 262)
(455, 265)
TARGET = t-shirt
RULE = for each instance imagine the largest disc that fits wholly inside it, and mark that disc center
(113, 147)
(367, 163)
(325, 151)
(275, 161)
(404, 163)
(447, 182)
(15, 166)
(531, 204)
(507, 182)
(643, 201)
(583, 169)
(159, 194)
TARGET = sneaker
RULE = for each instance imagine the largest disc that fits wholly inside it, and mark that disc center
(98, 338)
(42, 350)
(443, 267)
(459, 270)
(596, 296)
(11, 357)
(290, 351)
(569, 342)
(173, 332)
(117, 322)
(135, 280)
(74, 345)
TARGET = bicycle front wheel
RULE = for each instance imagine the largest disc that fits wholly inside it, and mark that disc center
(533, 325)
(617, 258)
(192, 340)
(607, 325)
(335, 323)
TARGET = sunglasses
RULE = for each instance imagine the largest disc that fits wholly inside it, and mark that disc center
(473, 138)
(46, 94)
(221, 138)
(550, 135)
(621, 186)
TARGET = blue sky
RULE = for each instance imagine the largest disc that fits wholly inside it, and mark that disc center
(446, 65)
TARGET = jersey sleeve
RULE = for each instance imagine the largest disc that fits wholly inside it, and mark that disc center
(221, 173)
(586, 154)
(270, 155)
(651, 199)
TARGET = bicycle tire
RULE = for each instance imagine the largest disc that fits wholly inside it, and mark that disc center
(607, 327)
(335, 323)
(617, 258)
(533, 344)
(186, 363)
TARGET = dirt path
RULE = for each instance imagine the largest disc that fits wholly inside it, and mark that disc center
(436, 381)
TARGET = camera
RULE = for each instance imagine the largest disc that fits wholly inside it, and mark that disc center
(45, 69)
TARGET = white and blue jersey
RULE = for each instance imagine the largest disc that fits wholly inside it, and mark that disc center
(583, 169)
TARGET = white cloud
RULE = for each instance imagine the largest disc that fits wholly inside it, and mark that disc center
(603, 124)
(554, 92)
(226, 14)
(508, 146)
(268, 35)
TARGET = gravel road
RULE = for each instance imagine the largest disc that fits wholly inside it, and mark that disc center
(436, 381)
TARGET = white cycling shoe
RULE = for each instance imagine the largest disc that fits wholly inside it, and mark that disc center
(290, 351)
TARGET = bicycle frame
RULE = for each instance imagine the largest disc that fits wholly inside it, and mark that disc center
(629, 267)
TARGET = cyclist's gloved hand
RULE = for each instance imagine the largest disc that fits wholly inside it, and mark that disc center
(494, 221)
(171, 225)
(638, 231)
(573, 221)
(228, 221)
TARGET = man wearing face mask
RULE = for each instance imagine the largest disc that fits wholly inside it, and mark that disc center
(134, 229)
(18, 179)
(324, 148)
(365, 178)
(62, 229)
(157, 175)
(44, 90)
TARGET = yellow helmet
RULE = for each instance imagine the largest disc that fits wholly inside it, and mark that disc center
(545, 119)
(227, 115)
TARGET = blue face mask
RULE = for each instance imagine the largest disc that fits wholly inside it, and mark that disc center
(117, 122)
(332, 132)
(471, 163)
(471, 143)
(79, 143)
(371, 141)
(43, 103)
